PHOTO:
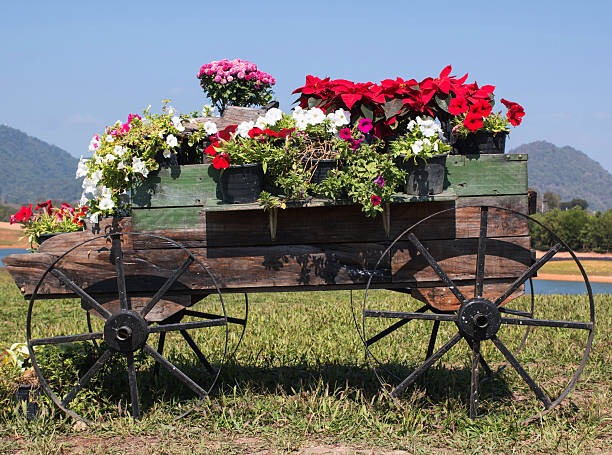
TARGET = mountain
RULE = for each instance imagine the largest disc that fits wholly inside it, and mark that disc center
(32, 170)
(567, 172)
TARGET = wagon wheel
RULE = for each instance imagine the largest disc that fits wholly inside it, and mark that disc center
(134, 297)
(483, 320)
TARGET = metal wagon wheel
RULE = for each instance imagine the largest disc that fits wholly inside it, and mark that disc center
(481, 319)
(71, 355)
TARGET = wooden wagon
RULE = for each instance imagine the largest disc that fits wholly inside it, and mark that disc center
(464, 253)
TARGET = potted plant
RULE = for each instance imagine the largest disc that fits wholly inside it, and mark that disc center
(46, 221)
(421, 153)
(235, 83)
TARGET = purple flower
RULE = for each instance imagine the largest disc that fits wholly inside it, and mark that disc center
(365, 125)
(380, 181)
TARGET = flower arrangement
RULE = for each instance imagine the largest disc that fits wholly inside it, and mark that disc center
(126, 152)
(422, 140)
(235, 83)
(46, 219)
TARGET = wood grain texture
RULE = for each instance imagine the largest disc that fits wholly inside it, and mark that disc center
(443, 299)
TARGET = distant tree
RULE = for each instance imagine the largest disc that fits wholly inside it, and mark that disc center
(576, 202)
(597, 234)
(551, 201)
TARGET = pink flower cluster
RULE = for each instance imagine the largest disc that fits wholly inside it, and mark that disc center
(226, 71)
(125, 127)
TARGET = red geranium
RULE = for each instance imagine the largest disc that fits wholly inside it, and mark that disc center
(458, 106)
(473, 122)
(221, 161)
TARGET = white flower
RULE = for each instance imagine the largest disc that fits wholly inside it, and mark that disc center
(419, 120)
(411, 125)
(301, 123)
(84, 200)
(140, 167)
(261, 123)
(338, 118)
(82, 168)
(96, 176)
(244, 128)
(106, 203)
(273, 115)
(171, 111)
(426, 141)
(109, 138)
(435, 146)
(429, 128)
(161, 134)
(147, 121)
(417, 147)
(210, 128)
(94, 143)
(167, 153)
(104, 191)
(315, 116)
(108, 158)
(176, 122)
(94, 217)
(121, 165)
(171, 140)
(119, 151)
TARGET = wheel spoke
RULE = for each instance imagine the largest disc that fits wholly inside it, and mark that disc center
(392, 328)
(124, 303)
(199, 314)
(66, 339)
(525, 314)
(160, 349)
(482, 248)
(186, 325)
(175, 371)
(86, 377)
(93, 303)
(521, 371)
(529, 273)
(194, 347)
(409, 316)
(475, 379)
(432, 339)
(548, 323)
(428, 363)
(483, 363)
(133, 385)
(169, 282)
(436, 267)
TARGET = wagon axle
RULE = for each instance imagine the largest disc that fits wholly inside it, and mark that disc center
(126, 331)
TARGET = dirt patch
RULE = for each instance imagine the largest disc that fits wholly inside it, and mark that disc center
(560, 277)
(10, 236)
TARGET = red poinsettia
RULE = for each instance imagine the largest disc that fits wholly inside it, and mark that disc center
(221, 161)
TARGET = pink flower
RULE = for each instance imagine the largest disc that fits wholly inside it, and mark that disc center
(345, 134)
(241, 75)
(380, 181)
(217, 78)
(365, 125)
(230, 78)
(375, 199)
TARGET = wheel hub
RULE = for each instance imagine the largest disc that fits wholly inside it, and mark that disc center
(479, 319)
(126, 331)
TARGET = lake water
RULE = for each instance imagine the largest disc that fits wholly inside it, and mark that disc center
(540, 286)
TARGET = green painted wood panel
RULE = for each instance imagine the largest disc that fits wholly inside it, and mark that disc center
(178, 186)
(482, 175)
(152, 219)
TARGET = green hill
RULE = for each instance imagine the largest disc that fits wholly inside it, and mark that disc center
(32, 170)
(569, 173)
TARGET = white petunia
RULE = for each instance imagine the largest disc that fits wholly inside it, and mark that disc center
(104, 191)
(244, 128)
(210, 128)
(161, 134)
(167, 153)
(338, 118)
(140, 167)
(82, 168)
(109, 138)
(315, 116)
(176, 122)
(261, 123)
(273, 115)
(106, 203)
(171, 111)
(94, 143)
(84, 200)
(121, 165)
(426, 141)
(96, 176)
(94, 217)
(301, 123)
(171, 140)
(435, 146)
(108, 158)
(411, 125)
(429, 128)
(417, 147)
(147, 121)
(119, 151)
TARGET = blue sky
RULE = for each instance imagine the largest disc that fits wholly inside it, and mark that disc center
(68, 69)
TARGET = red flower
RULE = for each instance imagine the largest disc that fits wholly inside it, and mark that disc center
(23, 214)
(221, 161)
(509, 104)
(225, 133)
(515, 115)
(482, 108)
(473, 122)
(365, 125)
(254, 132)
(458, 106)
(47, 206)
(286, 132)
(345, 134)
(375, 199)
(212, 149)
(271, 133)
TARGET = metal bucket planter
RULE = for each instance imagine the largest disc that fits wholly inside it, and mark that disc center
(241, 183)
(424, 177)
(481, 142)
(323, 168)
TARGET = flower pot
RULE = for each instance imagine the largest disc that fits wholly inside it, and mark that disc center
(426, 176)
(241, 183)
(480, 142)
(324, 167)
(40, 238)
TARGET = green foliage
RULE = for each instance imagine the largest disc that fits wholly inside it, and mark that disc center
(239, 92)
(495, 123)
(6, 212)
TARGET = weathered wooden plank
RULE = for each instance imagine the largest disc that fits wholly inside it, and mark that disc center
(287, 266)
(345, 224)
(478, 175)
(175, 218)
(161, 311)
(443, 299)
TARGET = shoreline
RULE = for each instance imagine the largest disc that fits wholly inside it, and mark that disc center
(577, 278)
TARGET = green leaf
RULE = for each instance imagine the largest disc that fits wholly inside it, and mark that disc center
(264, 165)
(313, 102)
(392, 107)
(443, 101)
(367, 112)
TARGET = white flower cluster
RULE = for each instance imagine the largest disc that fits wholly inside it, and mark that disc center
(419, 144)
(269, 119)
(315, 116)
(428, 126)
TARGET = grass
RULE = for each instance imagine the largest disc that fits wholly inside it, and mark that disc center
(599, 268)
(300, 380)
